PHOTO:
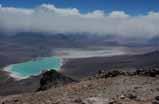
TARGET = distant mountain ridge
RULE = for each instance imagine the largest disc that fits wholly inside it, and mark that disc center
(27, 45)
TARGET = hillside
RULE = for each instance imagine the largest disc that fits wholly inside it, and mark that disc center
(83, 67)
(40, 82)
(117, 88)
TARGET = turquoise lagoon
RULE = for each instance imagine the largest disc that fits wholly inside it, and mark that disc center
(34, 67)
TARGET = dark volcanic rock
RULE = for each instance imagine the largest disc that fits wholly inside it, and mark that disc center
(157, 98)
(148, 73)
(104, 74)
(132, 96)
(53, 78)
(155, 102)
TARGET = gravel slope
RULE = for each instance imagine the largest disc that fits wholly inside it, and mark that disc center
(116, 90)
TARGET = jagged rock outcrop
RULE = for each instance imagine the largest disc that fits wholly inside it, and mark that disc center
(53, 78)
(43, 81)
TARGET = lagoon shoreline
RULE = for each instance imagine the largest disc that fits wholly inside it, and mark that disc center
(12, 74)
(19, 76)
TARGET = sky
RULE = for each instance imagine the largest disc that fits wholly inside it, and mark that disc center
(127, 18)
(134, 7)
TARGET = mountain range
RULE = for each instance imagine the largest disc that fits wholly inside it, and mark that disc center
(28, 45)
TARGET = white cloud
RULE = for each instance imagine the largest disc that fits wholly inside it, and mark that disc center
(118, 14)
(58, 11)
(95, 14)
(48, 18)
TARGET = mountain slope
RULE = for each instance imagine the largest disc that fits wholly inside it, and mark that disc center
(35, 83)
(82, 67)
(120, 89)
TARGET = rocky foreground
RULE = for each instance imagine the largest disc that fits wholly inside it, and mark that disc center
(139, 87)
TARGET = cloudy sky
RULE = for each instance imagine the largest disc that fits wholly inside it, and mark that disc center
(128, 18)
(129, 6)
